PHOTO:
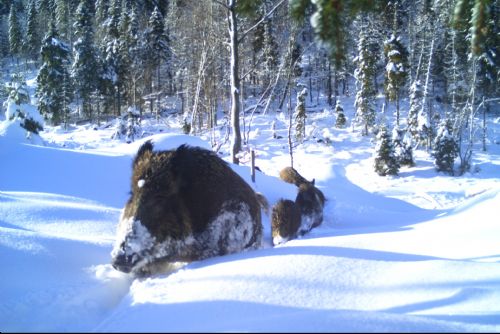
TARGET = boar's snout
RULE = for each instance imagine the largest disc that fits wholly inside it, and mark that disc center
(123, 263)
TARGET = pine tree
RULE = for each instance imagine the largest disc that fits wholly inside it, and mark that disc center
(339, 111)
(85, 65)
(15, 34)
(395, 70)
(364, 74)
(54, 90)
(445, 148)
(385, 161)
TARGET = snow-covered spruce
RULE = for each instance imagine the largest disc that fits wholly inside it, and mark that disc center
(385, 161)
(341, 119)
(445, 148)
(402, 147)
(186, 204)
(22, 120)
(300, 115)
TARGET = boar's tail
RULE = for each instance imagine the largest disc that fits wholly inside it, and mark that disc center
(264, 204)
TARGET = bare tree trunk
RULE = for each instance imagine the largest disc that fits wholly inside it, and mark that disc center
(235, 82)
(426, 92)
(201, 74)
(290, 123)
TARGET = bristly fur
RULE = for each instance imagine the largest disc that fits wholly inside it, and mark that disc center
(310, 201)
(179, 195)
(285, 221)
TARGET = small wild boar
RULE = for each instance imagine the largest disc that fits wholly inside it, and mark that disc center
(309, 199)
(186, 204)
(285, 221)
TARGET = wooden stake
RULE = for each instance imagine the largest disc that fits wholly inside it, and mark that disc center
(253, 165)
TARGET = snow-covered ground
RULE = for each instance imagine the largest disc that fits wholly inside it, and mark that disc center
(416, 252)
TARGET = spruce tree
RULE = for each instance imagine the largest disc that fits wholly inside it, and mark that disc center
(47, 10)
(385, 161)
(413, 125)
(63, 15)
(365, 94)
(395, 70)
(32, 36)
(134, 54)
(339, 111)
(15, 33)
(157, 47)
(85, 64)
(402, 147)
(54, 90)
(109, 83)
(300, 115)
(445, 148)
(19, 108)
(269, 52)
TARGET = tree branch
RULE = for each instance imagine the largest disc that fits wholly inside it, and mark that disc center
(264, 17)
(221, 3)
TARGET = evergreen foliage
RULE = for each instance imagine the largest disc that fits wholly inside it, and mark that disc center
(365, 94)
(270, 51)
(85, 66)
(414, 127)
(54, 89)
(32, 36)
(157, 43)
(19, 108)
(395, 70)
(402, 147)
(330, 17)
(15, 33)
(385, 160)
(341, 120)
(445, 148)
(300, 115)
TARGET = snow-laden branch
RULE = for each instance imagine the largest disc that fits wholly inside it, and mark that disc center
(264, 17)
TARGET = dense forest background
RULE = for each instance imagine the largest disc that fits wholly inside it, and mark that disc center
(433, 63)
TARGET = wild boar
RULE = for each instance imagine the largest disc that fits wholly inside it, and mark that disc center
(285, 221)
(185, 204)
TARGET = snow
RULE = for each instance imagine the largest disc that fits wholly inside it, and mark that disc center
(416, 252)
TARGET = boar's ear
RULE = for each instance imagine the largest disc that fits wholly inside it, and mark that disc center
(146, 147)
(312, 182)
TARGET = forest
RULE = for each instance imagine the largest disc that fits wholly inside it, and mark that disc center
(431, 66)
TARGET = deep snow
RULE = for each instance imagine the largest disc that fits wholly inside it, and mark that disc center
(415, 252)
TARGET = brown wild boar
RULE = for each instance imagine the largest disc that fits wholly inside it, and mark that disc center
(186, 204)
(311, 201)
(285, 221)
